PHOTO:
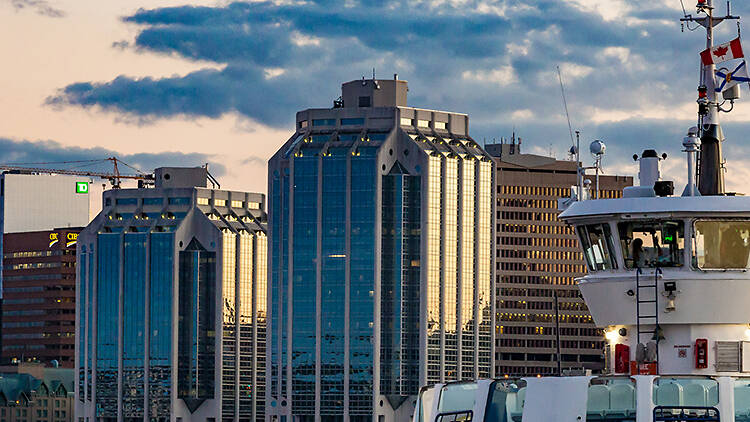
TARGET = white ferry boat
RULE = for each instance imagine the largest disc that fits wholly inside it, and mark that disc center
(668, 280)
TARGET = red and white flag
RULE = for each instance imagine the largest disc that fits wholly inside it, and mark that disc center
(722, 53)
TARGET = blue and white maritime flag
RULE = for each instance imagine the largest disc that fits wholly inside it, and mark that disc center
(728, 79)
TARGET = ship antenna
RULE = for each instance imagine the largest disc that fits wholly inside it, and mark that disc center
(710, 161)
(575, 150)
(565, 105)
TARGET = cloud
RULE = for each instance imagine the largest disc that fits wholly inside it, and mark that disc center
(41, 7)
(55, 155)
(253, 160)
(630, 77)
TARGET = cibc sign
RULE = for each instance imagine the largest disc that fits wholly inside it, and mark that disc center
(70, 239)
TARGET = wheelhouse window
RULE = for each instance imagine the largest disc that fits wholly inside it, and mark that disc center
(721, 244)
(650, 244)
(598, 245)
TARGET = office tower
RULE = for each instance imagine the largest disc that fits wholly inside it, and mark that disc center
(537, 258)
(381, 263)
(38, 315)
(172, 314)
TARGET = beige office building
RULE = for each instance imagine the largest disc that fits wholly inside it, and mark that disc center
(537, 256)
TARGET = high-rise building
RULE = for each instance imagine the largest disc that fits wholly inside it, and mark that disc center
(38, 314)
(172, 304)
(538, 260)
(381, 265)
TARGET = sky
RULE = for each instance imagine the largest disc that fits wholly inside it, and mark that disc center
(181, 82)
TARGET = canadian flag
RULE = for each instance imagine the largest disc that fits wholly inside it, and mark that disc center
(722, 53)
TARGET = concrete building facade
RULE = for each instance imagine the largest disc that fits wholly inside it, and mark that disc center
(172, 304)
(381, 236)
(538, 258)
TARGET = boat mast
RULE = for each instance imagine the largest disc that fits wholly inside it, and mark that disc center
(711, 161)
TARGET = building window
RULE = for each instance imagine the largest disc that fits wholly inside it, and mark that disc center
(220, 202)
(153, 201)
(303, 124)
(407, 122)
(441, 125)
(253, 205)
(179, 201)
(423, 123)
(324, 122)
(364, 102)
(351, 122)
(202, 201)
(236, 204)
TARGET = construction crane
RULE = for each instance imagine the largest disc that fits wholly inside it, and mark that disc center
(114, 177)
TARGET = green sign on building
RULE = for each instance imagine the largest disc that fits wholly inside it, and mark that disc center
(82, 187)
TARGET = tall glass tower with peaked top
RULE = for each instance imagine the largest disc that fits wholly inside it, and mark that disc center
(380, 258)
(171, 304)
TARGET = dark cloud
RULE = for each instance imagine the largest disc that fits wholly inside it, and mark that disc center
(488, 58)
(58, 156)
(41, 7)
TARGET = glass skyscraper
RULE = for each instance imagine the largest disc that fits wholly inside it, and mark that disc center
(171, 304)
(381, 258)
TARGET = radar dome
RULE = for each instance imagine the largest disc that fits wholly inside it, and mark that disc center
(597, 147)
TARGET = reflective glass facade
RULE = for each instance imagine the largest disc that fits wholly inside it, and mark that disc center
(195, 366)
(161, 270)
(229, 381)
(333, 282)
(304, 269)
(466, 264)
(377, 280)
(107, 328)
(151, 290)
(134, 324)
(484, 254)
(362, 284)
(400, 277)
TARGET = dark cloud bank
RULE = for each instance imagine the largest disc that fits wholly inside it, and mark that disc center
(643, 58)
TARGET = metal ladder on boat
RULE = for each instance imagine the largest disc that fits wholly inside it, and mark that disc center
(647, 316)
